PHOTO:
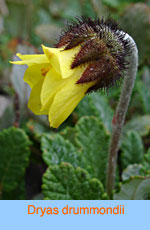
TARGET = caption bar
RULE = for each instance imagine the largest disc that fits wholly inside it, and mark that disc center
(117, 210)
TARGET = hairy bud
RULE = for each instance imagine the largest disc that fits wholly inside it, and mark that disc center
(103, 50)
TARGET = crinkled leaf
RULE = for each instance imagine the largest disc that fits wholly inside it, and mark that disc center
(145, 170)
(84, 108)
(69, 134)
(131, 170)
(65, 182)
(96, 104)
(102, 109)
(93, 140)
(35, 129)
(140, 124)
(56, 149)
(16, 194)
(138, 188)
(76, 150)
(132, 149)
(14, 155)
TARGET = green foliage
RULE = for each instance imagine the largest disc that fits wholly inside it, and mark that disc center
(137, 188)
(119, 3)
(132, 149)
(130, 171)
(82, 141)
(84, 108)
(98, 105)
(112, 3)
(72, 9)
(90, 130)
(135, 21)
(144, 95)
(87, 9)
(145, 170)
(64, 182)
(16, 194)
(69, 133)
(140, 124)
(35, 129)
(56, 149)
(91, 157)
(14, 155)
(142, 169)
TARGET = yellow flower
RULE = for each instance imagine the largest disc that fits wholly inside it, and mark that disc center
(90, 55)
(54, 91)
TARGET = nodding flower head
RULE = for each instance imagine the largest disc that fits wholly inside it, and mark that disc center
(103, 50)
(90, 55)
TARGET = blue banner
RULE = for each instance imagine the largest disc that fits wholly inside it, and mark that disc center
(20, 215)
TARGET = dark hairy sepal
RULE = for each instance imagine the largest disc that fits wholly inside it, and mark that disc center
(104, 50)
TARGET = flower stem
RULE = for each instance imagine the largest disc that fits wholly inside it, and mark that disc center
(119, 116)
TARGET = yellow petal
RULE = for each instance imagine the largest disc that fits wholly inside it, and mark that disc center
(34, 73)
(52, 55)
(61, 59)
(66, 100)
(52, 83)
(34, 103)
(31, 59)
(24, 57)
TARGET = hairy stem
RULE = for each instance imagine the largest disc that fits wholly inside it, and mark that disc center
(119, 116)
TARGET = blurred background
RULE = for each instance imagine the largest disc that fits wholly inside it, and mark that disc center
(24, 26)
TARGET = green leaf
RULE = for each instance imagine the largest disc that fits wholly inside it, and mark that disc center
(135, 21)
(84, 108)
(65, 182)
(87, 9)
(140, 124)
(56, 149)
(69, 134)
(102, 109)
(144, 93)
(132, 149)
(137, 188)
(35, 129)
(131, 170)
(72, 9)
(16, 194)
(14, 155)
(145, 170)
(117, 3)
(93, 140)
(97, 105)
(112, 3)
(76, 150)
(12, 21)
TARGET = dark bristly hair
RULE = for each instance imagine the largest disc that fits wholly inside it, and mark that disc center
(104, 49)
